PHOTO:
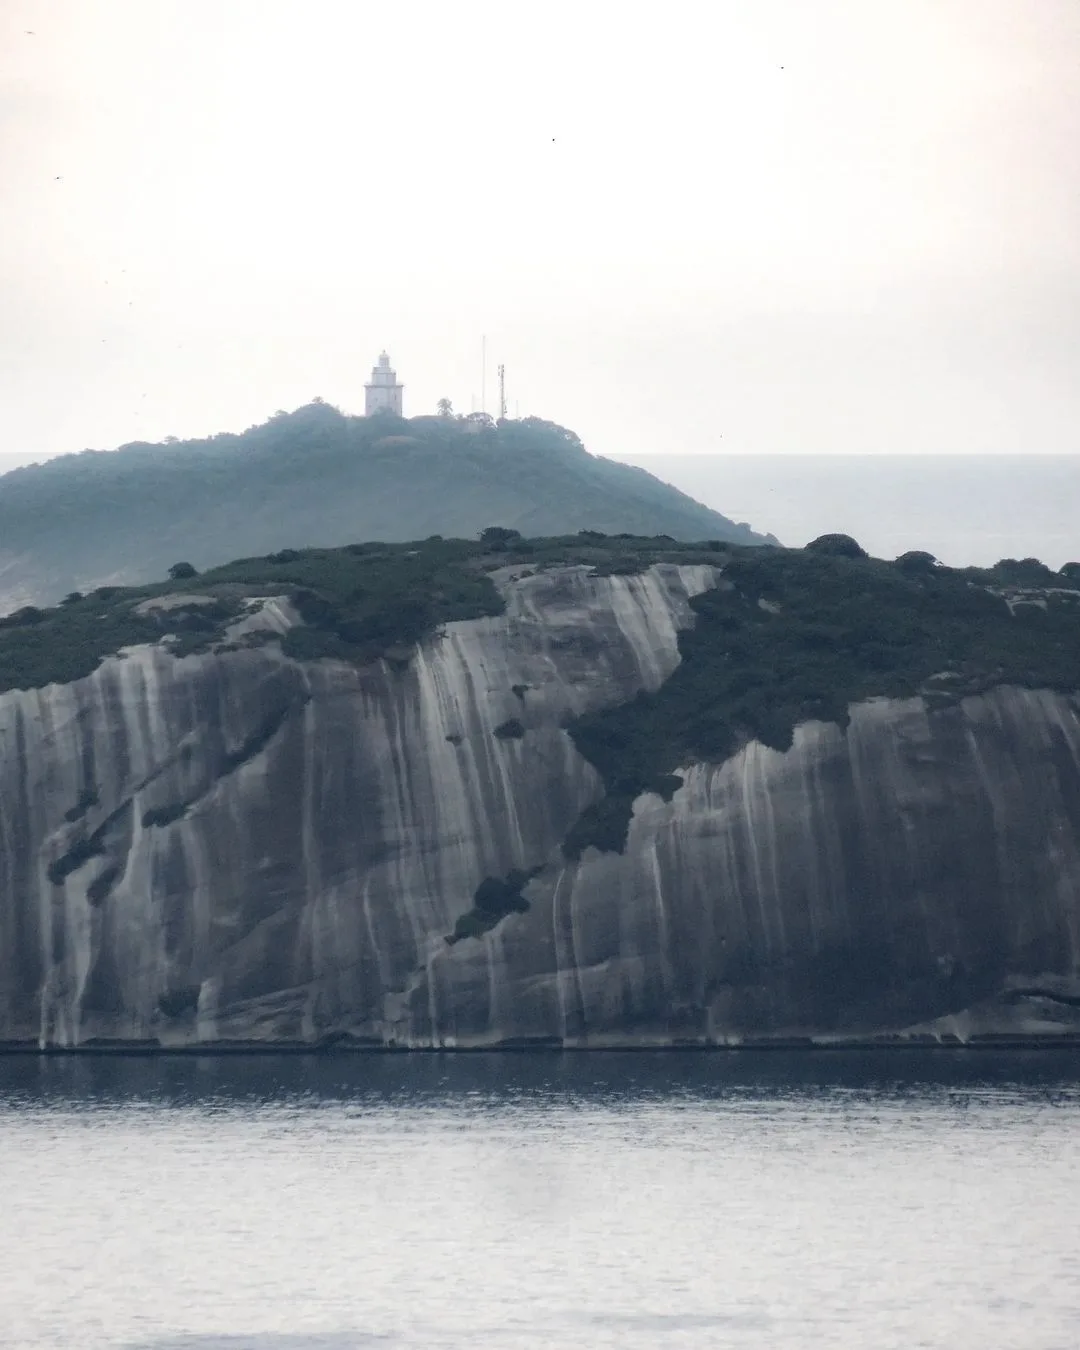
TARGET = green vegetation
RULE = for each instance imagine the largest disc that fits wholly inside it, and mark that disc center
(69, 643)
(365, 600)
(80, 852)
(510, 730)
(87, 798)
(163, 815)
(358, 603)
(795, 635)
(495, 898)
(836, 546)
(498, 537)
(56, 646)
(787, 636)
(316, 477)
(916, 562)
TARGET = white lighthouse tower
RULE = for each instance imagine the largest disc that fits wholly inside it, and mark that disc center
(383, 394)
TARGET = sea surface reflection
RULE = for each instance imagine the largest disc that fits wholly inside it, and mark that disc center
(773, 1199)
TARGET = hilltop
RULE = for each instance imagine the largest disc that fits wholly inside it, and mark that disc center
(785, 636)
(317, 478)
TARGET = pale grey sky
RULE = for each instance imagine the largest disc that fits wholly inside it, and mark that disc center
(741, 225)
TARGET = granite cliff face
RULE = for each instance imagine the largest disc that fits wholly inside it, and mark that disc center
(242, 848)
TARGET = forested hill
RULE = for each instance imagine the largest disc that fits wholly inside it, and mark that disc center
(315, 477)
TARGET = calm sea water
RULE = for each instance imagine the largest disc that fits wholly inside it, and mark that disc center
(715, 1200)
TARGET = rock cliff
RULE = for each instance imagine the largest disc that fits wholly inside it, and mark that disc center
(239, 847)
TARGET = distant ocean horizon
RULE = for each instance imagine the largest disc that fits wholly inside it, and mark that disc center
(965, 509)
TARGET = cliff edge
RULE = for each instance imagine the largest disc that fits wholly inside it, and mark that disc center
(241, 845)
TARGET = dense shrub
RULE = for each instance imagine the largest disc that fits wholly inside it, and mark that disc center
(358, 603)
(80, 852)
(836, 546)
(21, 618)
(603, 825)
(835, 630)
(494, 899)
(510, 730)
(182, 571)
(313, 644)
(1023, 572)
(916, 562)
(88, 798)
(69, 642)
(497, 537)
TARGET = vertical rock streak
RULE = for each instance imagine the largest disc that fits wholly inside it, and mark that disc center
(237, 847)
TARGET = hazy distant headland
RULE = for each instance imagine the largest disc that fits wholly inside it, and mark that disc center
(965, 509)
(316, 477)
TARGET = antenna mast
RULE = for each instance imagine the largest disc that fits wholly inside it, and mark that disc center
(502, 393)
(483, 374)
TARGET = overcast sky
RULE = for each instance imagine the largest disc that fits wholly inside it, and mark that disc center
(741, 225)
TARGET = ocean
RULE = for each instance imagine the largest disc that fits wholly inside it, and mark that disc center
(788, 1200)
(965, 509)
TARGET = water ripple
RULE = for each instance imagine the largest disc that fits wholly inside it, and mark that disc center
(811, 1202)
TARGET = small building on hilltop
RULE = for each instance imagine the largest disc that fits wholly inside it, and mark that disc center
(383, 393)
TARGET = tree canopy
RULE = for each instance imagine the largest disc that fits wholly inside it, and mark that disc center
(317, 478)
(836, 546)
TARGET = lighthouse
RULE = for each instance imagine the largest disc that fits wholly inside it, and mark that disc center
(383, 394)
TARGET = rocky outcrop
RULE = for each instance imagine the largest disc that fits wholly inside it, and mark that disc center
(240, 848)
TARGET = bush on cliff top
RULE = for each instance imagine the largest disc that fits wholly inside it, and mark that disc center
(800, 635)
(791, 635)
(358, 602)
